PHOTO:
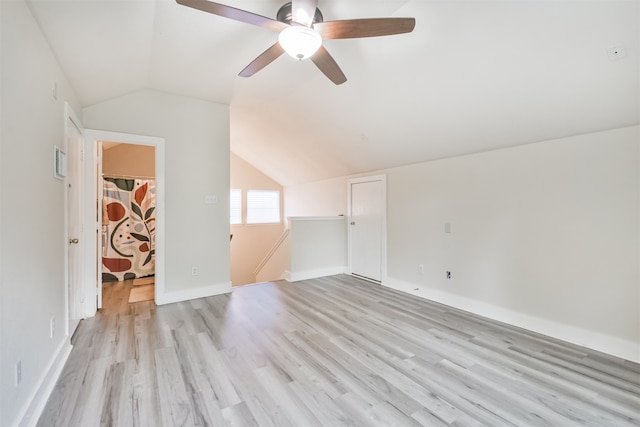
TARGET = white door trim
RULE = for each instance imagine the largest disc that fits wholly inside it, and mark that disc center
(98, 183)
(383, 217)
(92, 212)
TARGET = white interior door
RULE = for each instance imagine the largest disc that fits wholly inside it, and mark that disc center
(366, 227)
(74, 222)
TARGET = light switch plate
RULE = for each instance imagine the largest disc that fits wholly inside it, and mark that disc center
(59, 163)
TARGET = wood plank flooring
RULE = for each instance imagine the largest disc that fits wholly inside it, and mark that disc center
(335, 351)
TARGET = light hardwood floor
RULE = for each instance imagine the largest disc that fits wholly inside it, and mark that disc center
(333, 351)
(115, 296)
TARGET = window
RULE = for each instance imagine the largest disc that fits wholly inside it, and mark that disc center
(263, 207)
(235, 202)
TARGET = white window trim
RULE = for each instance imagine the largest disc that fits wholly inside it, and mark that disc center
(238, 208)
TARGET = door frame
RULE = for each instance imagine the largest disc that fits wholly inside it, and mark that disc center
(383, 222)
(70, 116)
(93, 212)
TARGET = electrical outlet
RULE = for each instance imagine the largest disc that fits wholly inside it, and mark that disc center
(18, 373)
(448, 275)
(52, 327)
(194, 271)
(421, 268)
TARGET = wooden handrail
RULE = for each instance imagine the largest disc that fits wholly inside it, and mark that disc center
(272, 251)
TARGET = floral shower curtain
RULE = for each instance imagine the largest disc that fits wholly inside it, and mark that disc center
(128, 218)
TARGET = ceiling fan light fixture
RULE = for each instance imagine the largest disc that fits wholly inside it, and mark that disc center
(300, 42)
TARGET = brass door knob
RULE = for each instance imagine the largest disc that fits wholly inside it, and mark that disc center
(73, 241)
(353, 223)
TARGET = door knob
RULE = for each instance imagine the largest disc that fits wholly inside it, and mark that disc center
(73, 241)
(353, 223)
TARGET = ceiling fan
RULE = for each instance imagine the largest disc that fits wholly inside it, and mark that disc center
(302, 29)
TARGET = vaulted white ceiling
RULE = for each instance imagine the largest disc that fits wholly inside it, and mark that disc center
(473, 76)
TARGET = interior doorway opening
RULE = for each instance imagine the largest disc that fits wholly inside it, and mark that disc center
(93, 212)
(253, 236)
(127, 188)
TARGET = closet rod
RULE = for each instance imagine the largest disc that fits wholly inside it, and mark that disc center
(127, 176)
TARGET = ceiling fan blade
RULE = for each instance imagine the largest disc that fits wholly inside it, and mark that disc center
(235, 14)
(264, 59)
(302, 11)
(325, 62)
(371, 27)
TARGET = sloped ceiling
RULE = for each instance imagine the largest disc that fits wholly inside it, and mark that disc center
(473, 76)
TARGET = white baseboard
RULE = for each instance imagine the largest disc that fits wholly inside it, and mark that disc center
(295, 276)
(193, 293)
(618, 347)
(32, 409)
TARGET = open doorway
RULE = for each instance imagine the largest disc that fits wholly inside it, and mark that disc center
(257, 223)
(127, 187)
(93, 211)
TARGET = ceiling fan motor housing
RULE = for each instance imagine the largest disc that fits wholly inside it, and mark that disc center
(301, 35)
(285, 14)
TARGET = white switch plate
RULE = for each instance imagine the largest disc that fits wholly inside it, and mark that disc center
(59, 162)
(210, 199)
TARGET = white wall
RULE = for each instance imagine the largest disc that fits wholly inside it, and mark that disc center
(318, 247)
(545, 236)
(196, 135)
(32, 209)
(321, 198)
